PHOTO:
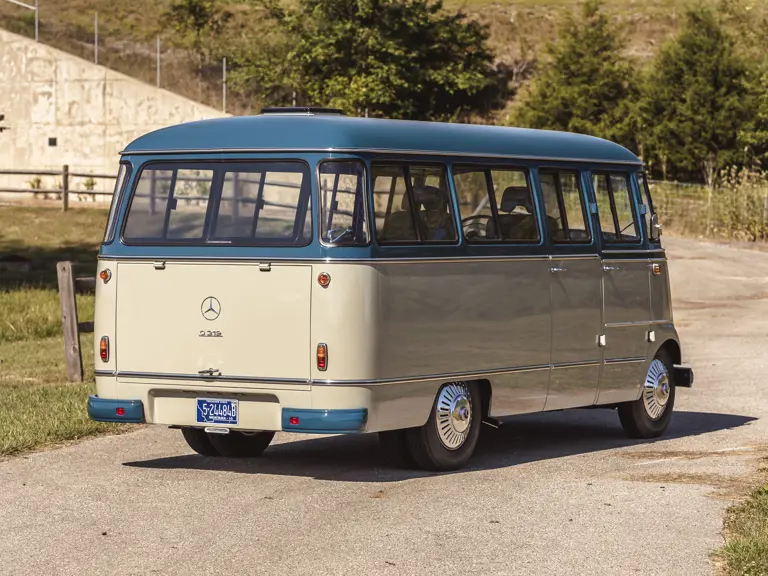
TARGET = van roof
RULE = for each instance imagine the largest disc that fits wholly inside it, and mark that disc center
(333, 133)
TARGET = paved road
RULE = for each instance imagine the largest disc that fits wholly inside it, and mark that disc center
(561, 493)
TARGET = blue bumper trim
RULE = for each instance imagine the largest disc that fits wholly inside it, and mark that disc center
(325, 421)
(104, 410)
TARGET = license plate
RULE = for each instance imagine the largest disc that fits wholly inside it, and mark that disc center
(216, 411)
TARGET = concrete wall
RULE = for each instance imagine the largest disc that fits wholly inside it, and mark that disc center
(93, 112)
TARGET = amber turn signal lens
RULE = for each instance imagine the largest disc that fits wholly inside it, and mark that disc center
(105, 275)
(324, 279)
(322, 357)
(104, 349)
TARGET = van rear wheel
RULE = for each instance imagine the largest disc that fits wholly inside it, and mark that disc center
(241, 444)
(199, 441)
(448, 439)
(649, 415)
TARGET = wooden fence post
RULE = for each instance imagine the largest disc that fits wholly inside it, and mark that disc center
(65, 188)
(72, 353)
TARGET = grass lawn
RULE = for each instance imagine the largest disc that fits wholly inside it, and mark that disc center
(746, 551)
(37, 405)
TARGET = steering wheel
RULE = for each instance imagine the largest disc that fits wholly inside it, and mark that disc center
(475, 217)
(335, 235)
(475, 233)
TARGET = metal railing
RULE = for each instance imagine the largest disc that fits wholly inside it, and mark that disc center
(64, 189)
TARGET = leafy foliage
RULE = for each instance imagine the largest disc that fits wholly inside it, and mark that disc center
(696, 102)
(198, 24)
(384, 57)
(585, 85)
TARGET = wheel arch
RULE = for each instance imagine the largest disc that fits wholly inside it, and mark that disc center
(672, 347)
(486, 396)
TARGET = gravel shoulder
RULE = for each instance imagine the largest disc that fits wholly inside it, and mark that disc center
(562, 493)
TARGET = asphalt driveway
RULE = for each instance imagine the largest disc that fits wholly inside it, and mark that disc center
(559, 493)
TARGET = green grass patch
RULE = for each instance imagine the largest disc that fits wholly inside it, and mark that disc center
(32, 416)
(746, 551)
(36, 313)
(40, 361)
(37, 405)
(44, 236)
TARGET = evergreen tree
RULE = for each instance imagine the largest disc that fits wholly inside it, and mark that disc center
(585, 85)
(696, 102)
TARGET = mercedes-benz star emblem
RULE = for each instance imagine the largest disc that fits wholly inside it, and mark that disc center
(211, 308)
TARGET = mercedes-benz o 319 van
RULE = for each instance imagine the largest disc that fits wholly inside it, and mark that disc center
(302, 271)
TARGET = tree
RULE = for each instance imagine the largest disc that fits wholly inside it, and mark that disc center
(584, 85)
(400, 59)
(198, 23)
(696, 102)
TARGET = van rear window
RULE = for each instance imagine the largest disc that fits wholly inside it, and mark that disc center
(239, 203)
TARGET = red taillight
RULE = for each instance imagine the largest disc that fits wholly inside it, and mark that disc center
(294, 420)
(322, 356)
(120, 411)
(104, 349)
(324, 279)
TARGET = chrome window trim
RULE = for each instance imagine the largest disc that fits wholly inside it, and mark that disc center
(447, 376)
(626, 360)
(633, 250)
(197, 378)
(246, 259)
(561, 365)
(638, 323)
(388, 151)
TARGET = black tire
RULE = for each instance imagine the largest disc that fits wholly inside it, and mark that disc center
(634, 416)
(428, 450)
(240, 444)
(394, 447)
(199, 441)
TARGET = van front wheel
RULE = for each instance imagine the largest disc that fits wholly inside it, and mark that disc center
(649, 415)
(448, 439)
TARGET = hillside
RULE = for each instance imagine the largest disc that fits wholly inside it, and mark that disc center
(128, 33)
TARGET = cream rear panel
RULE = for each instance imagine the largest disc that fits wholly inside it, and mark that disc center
(209, 321)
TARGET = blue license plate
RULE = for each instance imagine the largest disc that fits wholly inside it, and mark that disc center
(216, 411)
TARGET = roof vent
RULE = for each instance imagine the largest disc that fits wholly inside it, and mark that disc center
(303, 110)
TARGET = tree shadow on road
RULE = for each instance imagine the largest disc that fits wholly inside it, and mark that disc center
(522, 439)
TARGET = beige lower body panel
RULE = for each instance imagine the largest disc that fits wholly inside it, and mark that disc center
(390, 406)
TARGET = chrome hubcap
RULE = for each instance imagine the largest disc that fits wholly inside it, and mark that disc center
(454, 415)
(656, 390)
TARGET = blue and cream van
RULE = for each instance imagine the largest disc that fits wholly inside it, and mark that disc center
(303, 271)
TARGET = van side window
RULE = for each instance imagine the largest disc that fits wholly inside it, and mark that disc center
(496, 204)
(614, 204)
(342, 203)
(566, 211)
(412, 204)
(647, 201)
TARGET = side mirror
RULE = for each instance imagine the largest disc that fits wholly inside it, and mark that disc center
(655, 232)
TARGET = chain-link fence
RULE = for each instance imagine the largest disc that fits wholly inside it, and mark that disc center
(154, 57)
(738, 209)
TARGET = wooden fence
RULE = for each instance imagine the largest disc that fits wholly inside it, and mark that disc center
(64, 187)
(69, 287)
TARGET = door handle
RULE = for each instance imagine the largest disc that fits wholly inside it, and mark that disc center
(556, 270)
(610, 268)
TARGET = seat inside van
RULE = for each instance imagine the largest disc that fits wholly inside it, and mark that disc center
(433, 218)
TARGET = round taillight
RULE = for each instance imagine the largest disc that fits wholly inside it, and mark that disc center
(324, 279)
(105, 275)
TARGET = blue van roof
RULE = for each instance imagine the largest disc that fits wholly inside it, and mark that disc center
(325, 132)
